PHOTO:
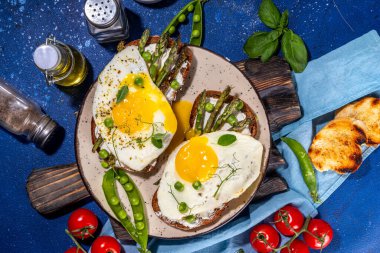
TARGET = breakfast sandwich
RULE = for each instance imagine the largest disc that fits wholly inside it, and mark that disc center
(367, 110)
(217, 164)
(337, 146)
(132, 112)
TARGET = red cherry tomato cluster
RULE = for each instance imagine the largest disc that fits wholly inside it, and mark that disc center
(83, 224)
(289, 221)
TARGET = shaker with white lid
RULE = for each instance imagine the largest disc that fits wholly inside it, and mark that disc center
(106, 20)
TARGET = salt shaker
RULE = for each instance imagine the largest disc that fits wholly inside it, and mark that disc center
(23, 117)
(106, 20)
(60, 63)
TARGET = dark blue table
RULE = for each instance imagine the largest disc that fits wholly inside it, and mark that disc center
(24, 24)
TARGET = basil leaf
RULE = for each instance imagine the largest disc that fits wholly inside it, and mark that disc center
(121, 94)
(157, 140)
(226, 139)
(258, 43)
(269, 51)
(294, 51)
(269, 14)
(284, 19)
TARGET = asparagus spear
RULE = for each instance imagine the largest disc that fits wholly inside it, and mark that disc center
(97, 144)
(167, 65)
(174, 72)
(217, 108)
(230, 109)
(200, 113)
(158, 52)
(241, 125)
(143, 40)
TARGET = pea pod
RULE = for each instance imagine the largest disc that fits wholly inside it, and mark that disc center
(137, 204)
(175, 21)
(306, 166)
(110, 192)
(197, 30)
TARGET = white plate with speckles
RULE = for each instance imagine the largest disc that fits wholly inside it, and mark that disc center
(208, 71)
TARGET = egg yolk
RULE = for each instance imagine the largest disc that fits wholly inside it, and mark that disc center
(136, 113)
(196, 160)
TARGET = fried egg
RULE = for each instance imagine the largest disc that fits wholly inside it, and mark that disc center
(143, 113)
(224, 173)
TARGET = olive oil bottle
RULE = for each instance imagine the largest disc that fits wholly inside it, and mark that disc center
(61, 64)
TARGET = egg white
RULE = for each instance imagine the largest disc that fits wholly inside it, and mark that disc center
(125, 62)
(245, 153)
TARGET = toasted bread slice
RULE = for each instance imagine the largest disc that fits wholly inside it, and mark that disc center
(337, 146)
(217, 213)
(366, 110)
(184, 71)
(246, 110)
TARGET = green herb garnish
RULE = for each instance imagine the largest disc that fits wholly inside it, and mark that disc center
(264, 45)
(197, 185)
(189, 218)
(226, 139)
(157, 140)
(179, 186)
(121, 94)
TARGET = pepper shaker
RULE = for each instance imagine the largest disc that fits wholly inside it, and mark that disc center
(106, 20)
(23, 117)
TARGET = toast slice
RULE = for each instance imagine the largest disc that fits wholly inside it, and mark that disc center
(337, 146)
(165, 88)
(366, 110)
(216, 213)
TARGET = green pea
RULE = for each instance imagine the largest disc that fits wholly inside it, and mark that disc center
(196, 33)
(114, 201)
(122, 214)
(209, 107)
(240, 105)
(172, 30)
(179, 186)
(182, 18)
(138, 81)
(197, 185)
(190, 8)
(135, 201)
(196, 18)
(147, 56)
(190, 218)
(104, 164)
(128, 187)
(140, 225)
(103, 154)
(108, 122)
(138, 216)
(123, 180)
(232, 120)
(182, 207)
(175, 85)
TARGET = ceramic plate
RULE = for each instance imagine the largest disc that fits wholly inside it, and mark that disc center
(208, 71)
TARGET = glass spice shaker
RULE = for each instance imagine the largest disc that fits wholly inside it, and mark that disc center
(60, 63)
(106, 20)
(21, 116)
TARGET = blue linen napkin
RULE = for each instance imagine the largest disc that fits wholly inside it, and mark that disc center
(329, 82)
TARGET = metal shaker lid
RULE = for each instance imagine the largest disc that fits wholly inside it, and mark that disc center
(46, 56)
(101, 13)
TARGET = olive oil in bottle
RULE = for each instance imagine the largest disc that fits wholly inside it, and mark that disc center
(61, 64)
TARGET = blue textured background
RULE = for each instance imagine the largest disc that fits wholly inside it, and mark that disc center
(24, 24)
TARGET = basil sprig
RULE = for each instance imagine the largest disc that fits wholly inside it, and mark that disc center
(157, 140)
(226, 139)
(264, 45)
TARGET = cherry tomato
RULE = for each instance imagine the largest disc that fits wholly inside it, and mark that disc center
(82, 223)
(264, 238)
(105, 244)
(288, 219)
(323, 234)
(74, 250)
(297, 246)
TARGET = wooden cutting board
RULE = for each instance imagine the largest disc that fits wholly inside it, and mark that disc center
(56, 188)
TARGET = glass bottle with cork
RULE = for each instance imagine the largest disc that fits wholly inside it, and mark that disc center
(61, 64)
